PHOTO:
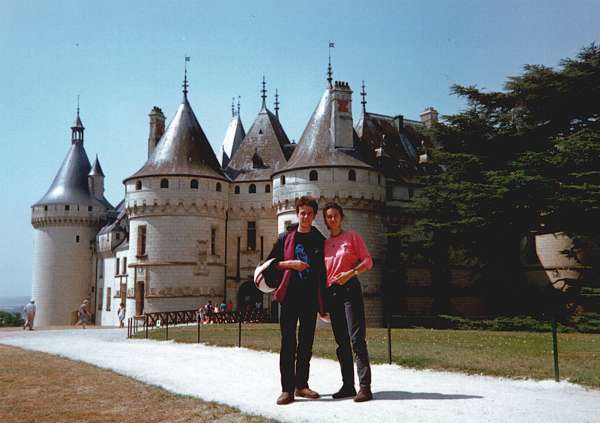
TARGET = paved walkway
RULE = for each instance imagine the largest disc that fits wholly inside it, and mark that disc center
(249, 380)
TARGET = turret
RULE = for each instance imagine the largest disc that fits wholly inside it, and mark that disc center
(429, 116)
(96, 180)
(342, 127)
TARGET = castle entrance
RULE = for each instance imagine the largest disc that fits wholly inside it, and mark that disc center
(248, 296)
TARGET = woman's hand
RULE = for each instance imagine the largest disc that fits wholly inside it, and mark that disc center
(297, 265)
(343, 277)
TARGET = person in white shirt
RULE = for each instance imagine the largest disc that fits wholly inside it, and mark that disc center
(29, 313)
(121, 315)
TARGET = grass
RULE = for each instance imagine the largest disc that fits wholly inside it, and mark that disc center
(37, 387)
(509, 354)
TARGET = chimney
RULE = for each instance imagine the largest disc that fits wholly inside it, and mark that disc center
(157, 128)
(341, 125)
(399, 123)
(429, 116)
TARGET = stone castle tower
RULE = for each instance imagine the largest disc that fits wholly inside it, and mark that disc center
(66, 221)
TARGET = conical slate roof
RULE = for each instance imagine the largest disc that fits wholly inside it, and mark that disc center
(261, 151)
(316, 147)
(182, 150)
(96, 168)
(233, 139)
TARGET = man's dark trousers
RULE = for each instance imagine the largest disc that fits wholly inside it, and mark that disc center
(349, 329)
(294, 358)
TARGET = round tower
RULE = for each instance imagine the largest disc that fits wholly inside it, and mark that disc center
(65, 223)
(177, 205)
(328, 165)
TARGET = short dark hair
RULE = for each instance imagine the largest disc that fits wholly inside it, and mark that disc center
(305, 200)
(332, 205)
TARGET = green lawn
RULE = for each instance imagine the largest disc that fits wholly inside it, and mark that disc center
(510, 354)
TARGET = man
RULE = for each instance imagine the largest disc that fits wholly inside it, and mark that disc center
(83, 314)
(300, 266)
(29, 313)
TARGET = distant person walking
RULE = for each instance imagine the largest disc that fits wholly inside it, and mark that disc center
(83, 314)
(121, 315)
(29, 313)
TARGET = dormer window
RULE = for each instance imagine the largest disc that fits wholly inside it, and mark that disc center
(194, 184)
(351, 175)
(138, 185)
(252, 189)
(236, 190)
(164, 183)
(313, 176)
(218, 187)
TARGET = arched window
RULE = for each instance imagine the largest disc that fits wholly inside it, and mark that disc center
(138, 185)
(194, 184)
(164, 183)
(282, 180)
(236, 190)
(218, 187)
(252, 189)
(313, 176)
(267, 188)
(351, 175)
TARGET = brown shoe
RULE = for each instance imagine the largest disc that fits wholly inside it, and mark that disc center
(364, 394)
(285, 398)
(306, 393)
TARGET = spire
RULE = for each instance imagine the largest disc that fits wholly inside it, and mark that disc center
(96, 168)
(264, 93)
(238, 110)
(329, 68)
(77, 128)
(276, 103)
(185, 81)
(363, 94)
(232, 106)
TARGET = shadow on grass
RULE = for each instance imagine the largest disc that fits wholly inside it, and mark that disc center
(403, 395)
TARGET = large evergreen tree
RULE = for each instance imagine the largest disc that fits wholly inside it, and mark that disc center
(517, 161)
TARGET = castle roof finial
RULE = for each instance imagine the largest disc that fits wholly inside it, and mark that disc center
(238, 104)
(276, 103)
(329, 68)
(77, 105)
(185, 81)
(264, 93)
(232, 106)
(363, 94)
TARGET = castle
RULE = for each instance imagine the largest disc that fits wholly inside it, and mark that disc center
(192, 228)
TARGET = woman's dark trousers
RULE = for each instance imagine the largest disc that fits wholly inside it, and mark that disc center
(349, 329)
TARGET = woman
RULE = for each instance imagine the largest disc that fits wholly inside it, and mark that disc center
(346, 256)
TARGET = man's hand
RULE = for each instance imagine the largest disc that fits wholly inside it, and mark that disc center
(297, 265)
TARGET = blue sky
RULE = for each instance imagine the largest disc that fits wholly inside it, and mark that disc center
(123, 58)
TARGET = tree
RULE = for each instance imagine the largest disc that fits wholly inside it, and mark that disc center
(522, 160)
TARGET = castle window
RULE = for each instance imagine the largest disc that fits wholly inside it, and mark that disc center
(313, 176)
(76, 238)
(282, 180)
(267, 188)
(218, 187)
(138, 185)
(252, 189)
(124, 266)
(45, 208)
(411, 193)
(251, 236)
(141, 241)
(378, 179)
(90, 208)
(236, 190)
(67, 207)
(101, 268)
(164, 183)
(100, 298)
(194, 184)
(351, 175)
(117, 265)
(108, 298)
(213, 241)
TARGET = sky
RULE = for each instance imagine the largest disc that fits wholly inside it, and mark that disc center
(123, 58)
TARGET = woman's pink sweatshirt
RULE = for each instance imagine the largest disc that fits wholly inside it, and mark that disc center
(344, 252)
